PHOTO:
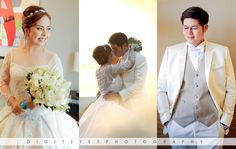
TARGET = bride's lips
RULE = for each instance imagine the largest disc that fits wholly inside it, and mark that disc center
(42, 39)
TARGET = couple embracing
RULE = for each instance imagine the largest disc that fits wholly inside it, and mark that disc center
(120, 85)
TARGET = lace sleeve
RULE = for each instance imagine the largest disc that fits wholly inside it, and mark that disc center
(5, 70)
(128, 60)
(56, 65)
(104, 78)
(5, 76)
(126, 63)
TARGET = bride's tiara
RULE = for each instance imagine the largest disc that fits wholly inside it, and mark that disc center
(104, 46)
(36, 11)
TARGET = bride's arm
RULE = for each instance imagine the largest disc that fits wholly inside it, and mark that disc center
(128, 60)
(5, 77)
(4, 85)
(56, 65)
(126, 64)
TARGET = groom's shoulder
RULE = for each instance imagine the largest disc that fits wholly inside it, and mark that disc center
(140, 56)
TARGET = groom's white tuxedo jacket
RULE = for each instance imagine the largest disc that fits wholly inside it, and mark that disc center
(219, 77)
(134, 79)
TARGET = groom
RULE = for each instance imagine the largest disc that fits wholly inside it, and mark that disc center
(133, 79)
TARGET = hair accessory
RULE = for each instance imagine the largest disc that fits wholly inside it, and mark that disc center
(23, 105)
(36, 11)
(104, 46)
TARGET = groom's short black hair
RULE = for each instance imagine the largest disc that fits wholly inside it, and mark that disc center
(195, 13)
(118, 38)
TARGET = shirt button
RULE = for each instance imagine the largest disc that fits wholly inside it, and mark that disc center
(196, 75)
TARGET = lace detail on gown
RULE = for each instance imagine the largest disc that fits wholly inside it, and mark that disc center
(39, 122)
(108, 78)
(18, 80)
(105, 79)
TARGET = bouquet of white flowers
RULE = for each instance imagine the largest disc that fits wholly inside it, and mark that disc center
(49, 89)
(135, 44)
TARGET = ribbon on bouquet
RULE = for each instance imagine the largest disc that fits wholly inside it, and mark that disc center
(23, 105)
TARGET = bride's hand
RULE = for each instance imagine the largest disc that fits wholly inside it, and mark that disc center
(115, 59)
(30, 104)
(15, 106)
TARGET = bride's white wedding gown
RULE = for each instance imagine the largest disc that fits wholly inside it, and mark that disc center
(107, 118)
(39, 122)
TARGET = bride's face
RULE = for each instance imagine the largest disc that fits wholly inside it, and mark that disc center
(110, 59)
(115, 59)
(40, 32)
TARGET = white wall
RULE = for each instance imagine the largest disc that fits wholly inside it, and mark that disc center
(64, 38)
(222, 14)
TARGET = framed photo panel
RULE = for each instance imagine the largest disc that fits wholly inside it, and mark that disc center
(10, 23)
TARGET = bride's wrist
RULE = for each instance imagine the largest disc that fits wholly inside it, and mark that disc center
(9, 99)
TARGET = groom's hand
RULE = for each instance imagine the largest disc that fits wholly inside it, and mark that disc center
(112, 96)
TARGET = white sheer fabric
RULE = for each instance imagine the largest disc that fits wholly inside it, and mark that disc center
(39, 122)
(105, 79)
(105, 118)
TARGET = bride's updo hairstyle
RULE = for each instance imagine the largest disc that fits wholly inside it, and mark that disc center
(31, 15)
(101, 54)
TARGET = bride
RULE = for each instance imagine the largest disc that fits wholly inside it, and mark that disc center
(37, 121)
(108, 117)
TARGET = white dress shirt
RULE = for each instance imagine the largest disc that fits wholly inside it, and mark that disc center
(196, 53)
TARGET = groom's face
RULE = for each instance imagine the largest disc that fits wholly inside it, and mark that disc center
(119, 50)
